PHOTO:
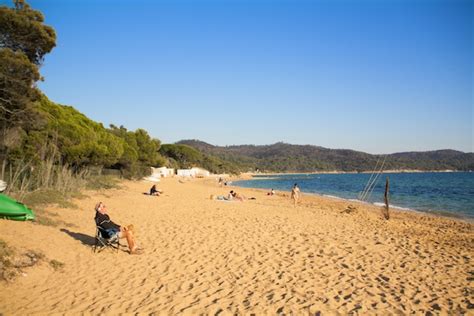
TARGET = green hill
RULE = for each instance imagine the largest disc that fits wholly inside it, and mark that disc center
(282, 157)
(63, 135)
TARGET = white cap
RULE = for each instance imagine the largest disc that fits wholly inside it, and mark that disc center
(3, 185)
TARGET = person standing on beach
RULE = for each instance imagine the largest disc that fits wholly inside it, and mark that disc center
(295, 194)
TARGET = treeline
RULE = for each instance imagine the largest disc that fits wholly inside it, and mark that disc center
(282, 157)
(66, 136)
(41, 141)
(70, 138)
(183, 156)
(44, 145)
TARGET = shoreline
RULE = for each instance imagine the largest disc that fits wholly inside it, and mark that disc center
(396, 171)
(437, 214)
(440, 213)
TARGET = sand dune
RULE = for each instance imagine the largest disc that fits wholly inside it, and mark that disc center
(260, 256)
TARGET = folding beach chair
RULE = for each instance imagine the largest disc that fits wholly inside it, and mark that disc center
(103, 240)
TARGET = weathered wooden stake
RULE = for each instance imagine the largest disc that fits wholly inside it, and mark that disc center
(386, 211)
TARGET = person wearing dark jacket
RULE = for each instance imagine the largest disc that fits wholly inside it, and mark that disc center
(155, 191)
(103, 220)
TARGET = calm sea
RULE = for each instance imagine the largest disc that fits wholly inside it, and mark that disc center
(450, 193)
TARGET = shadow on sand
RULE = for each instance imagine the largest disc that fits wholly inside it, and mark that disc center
(85, 239)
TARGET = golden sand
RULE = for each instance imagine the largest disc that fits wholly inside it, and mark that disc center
(260, 256)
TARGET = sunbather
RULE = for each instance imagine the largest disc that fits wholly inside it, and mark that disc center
(155, 191)
(236, 196)
(102, 219)
(219, 197)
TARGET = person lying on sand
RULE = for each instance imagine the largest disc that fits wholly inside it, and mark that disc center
(219, 197)
(155, 191)
(102, 219)
(272, 192)
(237, 196)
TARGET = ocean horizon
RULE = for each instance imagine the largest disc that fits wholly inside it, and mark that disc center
(440, 193)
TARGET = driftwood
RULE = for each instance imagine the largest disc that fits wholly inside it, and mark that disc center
(385, 210)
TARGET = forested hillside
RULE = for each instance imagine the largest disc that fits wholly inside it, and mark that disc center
(282, 157)
(63, 135)
(41, 141)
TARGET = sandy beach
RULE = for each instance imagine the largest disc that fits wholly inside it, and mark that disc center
(261, 257)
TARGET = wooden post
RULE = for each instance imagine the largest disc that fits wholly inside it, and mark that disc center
(386, 213)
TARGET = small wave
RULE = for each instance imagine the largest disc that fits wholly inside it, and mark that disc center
(334, 197)
(394, 206)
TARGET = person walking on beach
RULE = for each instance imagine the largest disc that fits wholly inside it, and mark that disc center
(295, 194)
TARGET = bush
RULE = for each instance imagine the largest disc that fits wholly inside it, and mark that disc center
(57, 265)
(102, 182)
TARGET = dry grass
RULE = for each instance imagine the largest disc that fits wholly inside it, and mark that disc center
(12, 264)
(56, 265)
(50, 184)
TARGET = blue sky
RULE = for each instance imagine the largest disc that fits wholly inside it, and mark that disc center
(376, 76)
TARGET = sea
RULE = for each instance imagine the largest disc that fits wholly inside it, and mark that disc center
(440, 193)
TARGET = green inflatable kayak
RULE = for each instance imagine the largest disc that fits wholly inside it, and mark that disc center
(11, 209)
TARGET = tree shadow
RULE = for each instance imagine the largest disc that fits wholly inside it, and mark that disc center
(85, 239)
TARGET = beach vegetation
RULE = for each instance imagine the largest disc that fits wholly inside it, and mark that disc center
(24, 41)
(12, 263)
(38, 198)
(102, 182)
(47, 218)
(47, 146)
(6, 265)
(44, 220)
(282, 157)
(56, 265)
(65, 149)
(183, 157)
(5, 253)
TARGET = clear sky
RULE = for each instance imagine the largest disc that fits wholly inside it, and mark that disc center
(376, 76)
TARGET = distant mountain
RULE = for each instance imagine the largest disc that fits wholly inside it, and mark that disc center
(283, 157)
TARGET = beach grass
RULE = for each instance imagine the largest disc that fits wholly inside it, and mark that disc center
(103, 182)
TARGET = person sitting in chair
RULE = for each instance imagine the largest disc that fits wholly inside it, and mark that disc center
(102, 220)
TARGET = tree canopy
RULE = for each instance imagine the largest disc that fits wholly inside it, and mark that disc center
(22, 30)
(34, 129)
(183, 156)
(80, 142)
(24, 41)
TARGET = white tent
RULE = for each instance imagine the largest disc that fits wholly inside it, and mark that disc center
(185, 173)
(200, 173)
(155, 175)
(165, 172)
